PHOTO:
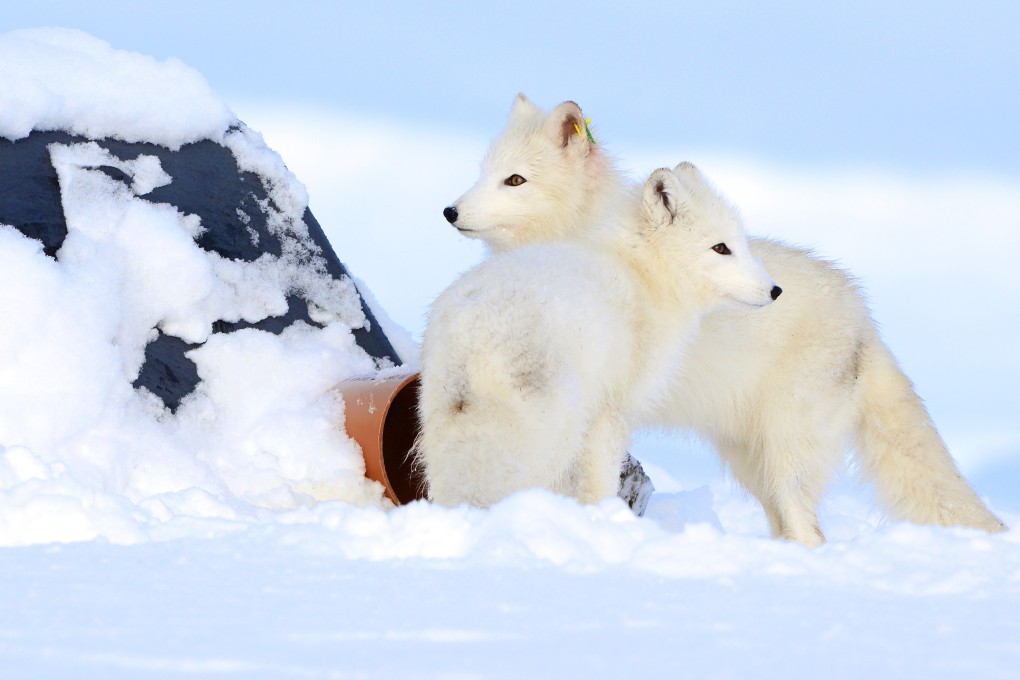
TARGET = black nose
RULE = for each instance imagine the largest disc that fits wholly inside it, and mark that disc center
(776, 292)
(450, 214)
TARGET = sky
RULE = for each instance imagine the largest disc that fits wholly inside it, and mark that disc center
(918, 86)
(882, 135)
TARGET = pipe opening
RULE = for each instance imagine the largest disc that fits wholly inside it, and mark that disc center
(399, 432)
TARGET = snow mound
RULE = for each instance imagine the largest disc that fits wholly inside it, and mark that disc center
(90, 445)
(63, 79)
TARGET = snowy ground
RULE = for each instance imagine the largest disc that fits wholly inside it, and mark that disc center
(238, 537)
(535, 588)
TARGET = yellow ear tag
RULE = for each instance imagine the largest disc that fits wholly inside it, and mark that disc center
(587, 131)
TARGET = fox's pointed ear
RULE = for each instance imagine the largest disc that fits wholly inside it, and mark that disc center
(522, 109)
(689, 172)
(664, 198)
(566, 125)
(696, 183)
(522, 106)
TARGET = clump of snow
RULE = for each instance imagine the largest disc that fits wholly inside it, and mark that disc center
(63, 79)
(82, 453)
(263, 429)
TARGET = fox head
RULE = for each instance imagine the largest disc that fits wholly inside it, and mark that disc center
(698, 240)
(541, 180)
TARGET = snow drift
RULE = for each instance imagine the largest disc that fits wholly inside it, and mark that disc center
(173, 319)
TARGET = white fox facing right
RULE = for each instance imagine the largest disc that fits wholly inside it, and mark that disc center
(780, 392)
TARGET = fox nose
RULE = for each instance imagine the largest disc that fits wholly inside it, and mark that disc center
(450, 214)
(776, 292)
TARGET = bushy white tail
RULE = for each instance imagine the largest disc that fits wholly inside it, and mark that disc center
(899, 448)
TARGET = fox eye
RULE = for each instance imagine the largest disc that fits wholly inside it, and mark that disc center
(722, 249)
(514, 181)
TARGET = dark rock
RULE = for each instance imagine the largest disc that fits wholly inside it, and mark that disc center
(206, 182)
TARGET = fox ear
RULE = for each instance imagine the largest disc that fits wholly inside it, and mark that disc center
(566, 125)
(522, 106)
(695, 183)
(689, 172)
(664, 198)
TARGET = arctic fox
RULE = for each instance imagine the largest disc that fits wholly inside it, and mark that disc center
(780, 392)
(536, 364)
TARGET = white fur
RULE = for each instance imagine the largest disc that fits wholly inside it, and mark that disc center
(780, 392)
(536, 363)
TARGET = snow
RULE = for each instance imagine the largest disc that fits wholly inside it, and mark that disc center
(62, 79)
(239, 537)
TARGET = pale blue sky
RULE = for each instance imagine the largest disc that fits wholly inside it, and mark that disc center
(914, 86)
